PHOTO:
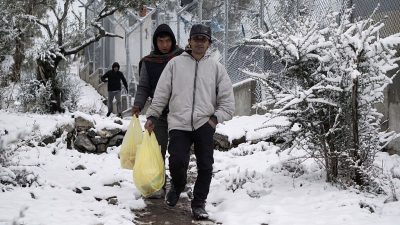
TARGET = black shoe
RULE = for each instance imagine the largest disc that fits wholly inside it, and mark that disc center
(172, 197)
(199, 213)
(108, 114)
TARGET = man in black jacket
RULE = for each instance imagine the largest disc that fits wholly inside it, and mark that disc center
(114, 77)
(150, 68)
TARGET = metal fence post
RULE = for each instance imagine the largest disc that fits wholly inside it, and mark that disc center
(200, 11)
(178, 14)
(226, 33)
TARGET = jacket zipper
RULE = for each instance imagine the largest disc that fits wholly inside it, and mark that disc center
(194, 93)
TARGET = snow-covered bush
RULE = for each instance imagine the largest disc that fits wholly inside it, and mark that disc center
(70, 92)
(333, 76)
(12, 173)
(34, 96)
(6, 175)
(252, 181)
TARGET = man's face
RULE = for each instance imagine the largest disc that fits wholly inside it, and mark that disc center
(116, 68)
(199, 44)
(164, 44)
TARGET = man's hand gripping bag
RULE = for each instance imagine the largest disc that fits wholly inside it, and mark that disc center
(149, 172)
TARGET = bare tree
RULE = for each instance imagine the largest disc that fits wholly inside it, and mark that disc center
(65, 36)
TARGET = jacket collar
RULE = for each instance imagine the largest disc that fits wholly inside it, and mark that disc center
(206, 56)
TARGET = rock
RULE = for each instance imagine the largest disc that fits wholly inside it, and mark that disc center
(77, 190)
(371, 208)
(116, 183)
(86, 188)
(118, 122)
(41, 144)
(221, 142)
(109, 133)
(236, 142)
(113, 200)
(101, 148)
(70, 139)
(99, 140)
(83, 144)
(82, 124)
(31, 144)
(392, 198)
(69, 128)
(80, 167)
(58, 132)
(91, 133)
(116, 140)
(48, 139)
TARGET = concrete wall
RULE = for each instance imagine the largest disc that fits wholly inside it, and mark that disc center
(391, 110)
(244, 97)
(391, 106)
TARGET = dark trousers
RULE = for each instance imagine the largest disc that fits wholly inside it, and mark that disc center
(161, 132)
(117, 96)
(179, 150)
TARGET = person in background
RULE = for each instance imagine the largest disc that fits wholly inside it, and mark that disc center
(114, 77)
(199, 94)
(150, 69)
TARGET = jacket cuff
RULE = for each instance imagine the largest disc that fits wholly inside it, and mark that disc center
(214, 119)
(153, 119)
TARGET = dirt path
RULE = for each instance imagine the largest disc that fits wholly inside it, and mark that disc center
(159, 213)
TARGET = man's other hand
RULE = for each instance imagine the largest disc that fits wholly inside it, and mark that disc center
(149, 126)
(136, 110)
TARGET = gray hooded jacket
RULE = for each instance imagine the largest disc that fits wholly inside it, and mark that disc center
(195, 90)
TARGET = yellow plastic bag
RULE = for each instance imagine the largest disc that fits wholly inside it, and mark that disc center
(132, 139)
(148, 172)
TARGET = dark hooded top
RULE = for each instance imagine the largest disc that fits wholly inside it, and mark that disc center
(114, 78)
(152, 65)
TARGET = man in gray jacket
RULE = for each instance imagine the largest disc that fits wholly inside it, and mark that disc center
(199, 94)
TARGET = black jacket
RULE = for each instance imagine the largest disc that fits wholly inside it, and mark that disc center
(114, 80)
(152, 65)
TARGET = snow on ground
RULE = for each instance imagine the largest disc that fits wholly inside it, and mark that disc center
(258, 189)
(90, 101)
(252, 183)
(54, 199)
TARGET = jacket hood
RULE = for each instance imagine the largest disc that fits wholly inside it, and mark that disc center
(115, 65)
(163, 29)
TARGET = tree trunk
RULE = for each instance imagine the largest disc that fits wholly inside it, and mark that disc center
(46, 71)
(355, 155)
(18, 59)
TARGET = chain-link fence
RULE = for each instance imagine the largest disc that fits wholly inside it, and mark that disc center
(243, 19)
(250, 58)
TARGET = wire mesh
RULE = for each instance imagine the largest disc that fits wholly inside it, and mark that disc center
(251, 58)
(245, 22)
